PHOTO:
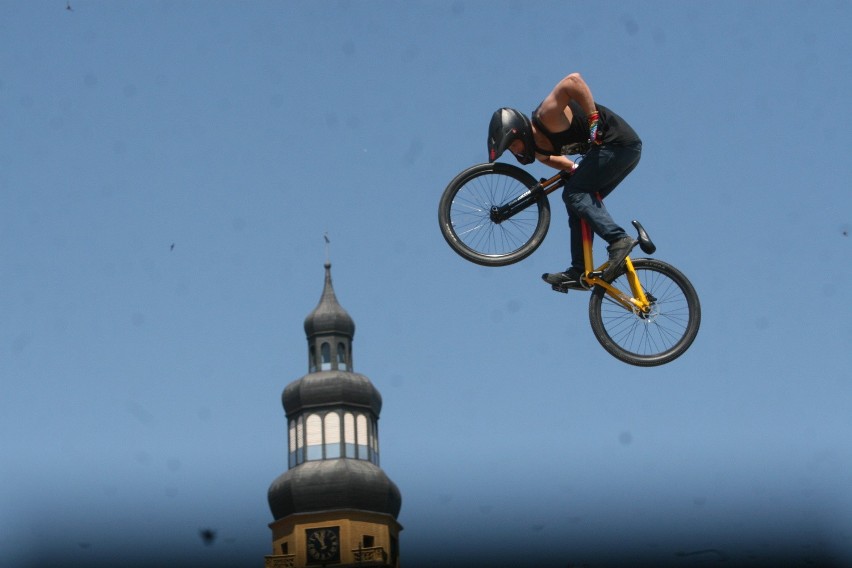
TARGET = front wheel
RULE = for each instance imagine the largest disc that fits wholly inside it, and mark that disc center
(464, 215)
(654, 338)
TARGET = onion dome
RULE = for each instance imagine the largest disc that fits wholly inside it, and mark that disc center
(329, 317)
(331, 389)
(336, 484)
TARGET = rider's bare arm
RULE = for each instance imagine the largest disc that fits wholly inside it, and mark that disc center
(558, 162)
(554, 112)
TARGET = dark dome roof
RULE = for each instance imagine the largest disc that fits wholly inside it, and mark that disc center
(331, 388)
(334, 484)
(329, 316)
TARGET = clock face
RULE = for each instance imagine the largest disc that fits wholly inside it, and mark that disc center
(323, 544)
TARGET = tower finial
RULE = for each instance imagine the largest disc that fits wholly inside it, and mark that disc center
(327, 254)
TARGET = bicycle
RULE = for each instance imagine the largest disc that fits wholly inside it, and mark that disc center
(496, 214)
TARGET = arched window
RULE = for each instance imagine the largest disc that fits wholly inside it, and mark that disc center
(312, 359)
(349, 434)
(374, 442)
(291, 458)
(341, 356)
(325, 351)
(300, 441)
(363, 434)
(332, 435)
(313, 437)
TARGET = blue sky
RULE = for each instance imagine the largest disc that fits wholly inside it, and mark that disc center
(141, 382)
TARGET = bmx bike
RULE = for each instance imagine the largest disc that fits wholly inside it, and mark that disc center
(646, 314)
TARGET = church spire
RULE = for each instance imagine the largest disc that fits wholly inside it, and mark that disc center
(329, 330)
(329, 317)
(334, 489)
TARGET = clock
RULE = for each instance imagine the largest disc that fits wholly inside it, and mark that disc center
(323, 545)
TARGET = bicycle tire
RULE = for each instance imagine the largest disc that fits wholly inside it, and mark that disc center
(654, 339)
(464, 215)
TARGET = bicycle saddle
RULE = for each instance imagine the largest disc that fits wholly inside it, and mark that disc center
(645, 242)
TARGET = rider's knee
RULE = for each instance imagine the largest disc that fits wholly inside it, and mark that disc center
(577, 202)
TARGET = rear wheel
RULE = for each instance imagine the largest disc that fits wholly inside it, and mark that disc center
(464, 215)
(654, 338)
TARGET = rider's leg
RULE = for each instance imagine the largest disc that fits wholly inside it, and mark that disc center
(603, 168)
(575, 226)
(589, 207)
(571, 277)
(585, 206)
(600, 171)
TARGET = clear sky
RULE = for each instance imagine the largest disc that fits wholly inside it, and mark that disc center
(168, 171)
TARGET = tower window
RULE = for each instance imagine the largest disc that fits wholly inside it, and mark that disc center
(363, 448)
(341, 356)
(300, 441)
(312, 359)
(291, 458)
(314, 437)
(349, 434)
(374, 442)
(332, 435)
(325, 351)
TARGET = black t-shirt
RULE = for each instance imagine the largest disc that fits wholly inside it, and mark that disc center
(575, 140)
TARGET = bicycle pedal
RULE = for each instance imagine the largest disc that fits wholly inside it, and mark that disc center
(559, 288)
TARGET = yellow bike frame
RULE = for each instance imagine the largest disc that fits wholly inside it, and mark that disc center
(639, 302)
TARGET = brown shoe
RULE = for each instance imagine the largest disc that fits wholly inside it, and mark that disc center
(618, 251)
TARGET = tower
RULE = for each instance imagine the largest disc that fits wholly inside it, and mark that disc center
(334, 506)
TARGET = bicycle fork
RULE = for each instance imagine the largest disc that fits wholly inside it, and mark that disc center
(500, 213)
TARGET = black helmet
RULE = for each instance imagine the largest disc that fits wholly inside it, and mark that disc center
(508, 125)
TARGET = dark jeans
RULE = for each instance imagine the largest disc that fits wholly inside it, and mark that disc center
(598, 174)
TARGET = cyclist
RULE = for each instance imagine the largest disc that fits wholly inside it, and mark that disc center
(566, 123)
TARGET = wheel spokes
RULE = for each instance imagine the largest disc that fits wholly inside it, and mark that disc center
(471, 216)
(656, 331)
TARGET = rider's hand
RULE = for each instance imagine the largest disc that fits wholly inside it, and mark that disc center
(595, 128)
(569, 171)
